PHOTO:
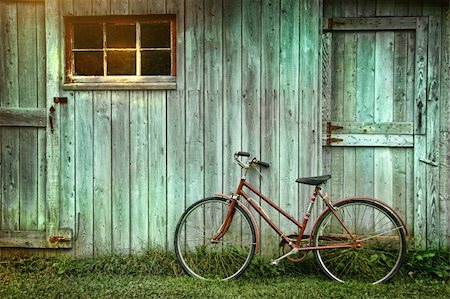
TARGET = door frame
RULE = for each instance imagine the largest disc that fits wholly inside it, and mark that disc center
(420, 25)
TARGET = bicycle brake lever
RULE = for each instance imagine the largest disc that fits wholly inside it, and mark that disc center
(257, 170)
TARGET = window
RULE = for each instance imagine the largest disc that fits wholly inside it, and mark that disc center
(129, 52)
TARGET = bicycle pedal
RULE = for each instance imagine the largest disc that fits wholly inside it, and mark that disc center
(275, 263)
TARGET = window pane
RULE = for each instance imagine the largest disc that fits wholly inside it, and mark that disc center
(87, 36)
(88, 63)
(155, 35)
(121, 62)
(121, 36)
(155, 62)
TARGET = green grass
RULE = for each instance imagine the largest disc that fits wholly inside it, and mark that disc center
(157, 275)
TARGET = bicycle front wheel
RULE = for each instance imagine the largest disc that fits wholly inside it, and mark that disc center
(378, 243)
(221, 259)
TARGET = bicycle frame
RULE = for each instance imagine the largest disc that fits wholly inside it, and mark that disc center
(301, 226)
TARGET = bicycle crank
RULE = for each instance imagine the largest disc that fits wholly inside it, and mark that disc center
(297, 256)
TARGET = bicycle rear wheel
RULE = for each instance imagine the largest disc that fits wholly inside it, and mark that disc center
(380, 248)
(223, 259)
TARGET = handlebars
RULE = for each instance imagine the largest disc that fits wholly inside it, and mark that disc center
(252, 162)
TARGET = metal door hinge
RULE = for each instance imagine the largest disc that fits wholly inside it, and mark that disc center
(60, 100)
(332, 22)
(331, 127)
(330, 140)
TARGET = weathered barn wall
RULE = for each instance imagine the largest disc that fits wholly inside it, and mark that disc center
(123, 165)
(247, 79)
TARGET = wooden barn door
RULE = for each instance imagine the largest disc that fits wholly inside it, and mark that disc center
(373, 113)
(25, 135)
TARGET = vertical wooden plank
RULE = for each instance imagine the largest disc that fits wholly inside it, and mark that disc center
(365, 97)
(157, 129)
(119, 7)
(28, 172)
(213, 72)
(400, 114)
(420, 185)
(121, 150)
(411, 116)
(432, 125)
(270, 107)
(383, 108)
(337, 103)
(139, 172)
(138, 6)
(9, 97)
(68, 212)
(84, 155)
(176, 133)
(52, 30)
(232, 73)
(444, 188)
(251, 77)
(289, 110)
(121, 185)
(84, 172)
(41, 61)
(83, 7)
(349, 110)
(326, 95)
(102, 172)
(100, 7)
(309, 140)
(194, 21)
(156, 6)
(139, 154)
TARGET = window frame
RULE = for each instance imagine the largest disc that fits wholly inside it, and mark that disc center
(108, 82)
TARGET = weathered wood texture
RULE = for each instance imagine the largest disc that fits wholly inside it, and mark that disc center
(386, 71)
(126, 163)
(22, 117)
(140, 157)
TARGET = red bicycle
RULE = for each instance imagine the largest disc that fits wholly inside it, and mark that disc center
(354, 238)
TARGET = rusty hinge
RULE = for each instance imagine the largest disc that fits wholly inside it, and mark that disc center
(332, 22)
(331, 127)
(330, 140)
(60, 100)
(54, 239)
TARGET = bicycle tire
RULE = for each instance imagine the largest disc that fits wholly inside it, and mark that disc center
(223, 260)
(380, 255)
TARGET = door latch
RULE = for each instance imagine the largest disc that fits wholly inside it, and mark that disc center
(50, 118)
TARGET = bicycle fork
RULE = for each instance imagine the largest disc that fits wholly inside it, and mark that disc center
(226, 223)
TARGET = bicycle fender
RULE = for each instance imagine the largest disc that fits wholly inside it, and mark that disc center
(250, 214)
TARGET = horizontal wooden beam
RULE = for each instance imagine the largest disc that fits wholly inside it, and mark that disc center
(376, 140)
(377, 23)
(398, 128)
(22, 1)
(35, 239)
(121, 86)
(23, 117)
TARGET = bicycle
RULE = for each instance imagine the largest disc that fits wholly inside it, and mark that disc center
(356, 237)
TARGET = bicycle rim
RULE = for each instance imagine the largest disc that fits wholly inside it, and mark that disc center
(225, 259)
(381, 252)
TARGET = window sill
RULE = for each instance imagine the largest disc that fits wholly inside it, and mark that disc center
(168, 83)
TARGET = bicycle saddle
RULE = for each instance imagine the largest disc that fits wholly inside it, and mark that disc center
(315, 180)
